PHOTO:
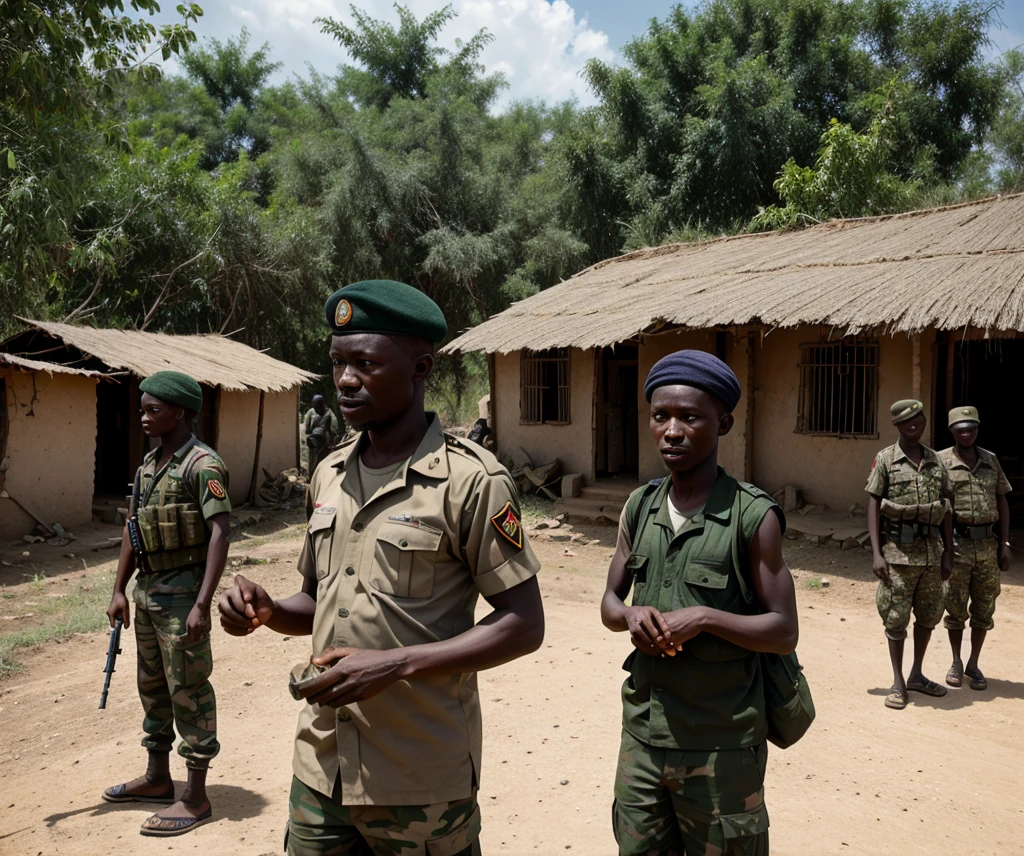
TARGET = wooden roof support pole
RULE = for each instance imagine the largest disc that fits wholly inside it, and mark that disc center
(916, 371)
(254, 485)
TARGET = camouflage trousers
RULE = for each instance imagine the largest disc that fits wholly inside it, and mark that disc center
(173, 674)
(913, 587)
(318, 825)
(975, 576)
(670, 802)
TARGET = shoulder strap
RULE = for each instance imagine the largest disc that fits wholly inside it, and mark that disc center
(739, 549)
(637, 513)
(196, 454)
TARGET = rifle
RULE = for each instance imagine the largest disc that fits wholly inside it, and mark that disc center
(113, 649)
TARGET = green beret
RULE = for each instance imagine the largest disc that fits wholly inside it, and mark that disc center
(904, 409)
(384, 306)
(174, 388)
(963, 414)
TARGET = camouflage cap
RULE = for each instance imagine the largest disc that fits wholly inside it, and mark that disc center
(904, 409)
(963, 414)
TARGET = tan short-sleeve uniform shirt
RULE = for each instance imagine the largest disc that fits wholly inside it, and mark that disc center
(405, 567)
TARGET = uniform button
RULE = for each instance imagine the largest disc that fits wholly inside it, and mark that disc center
(343, 717)
(343, 613)
(357, 526)
(667, 583)
(403, 543)
(350, 571)
(704, 579)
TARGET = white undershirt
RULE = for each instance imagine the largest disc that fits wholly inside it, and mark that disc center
(676, 516)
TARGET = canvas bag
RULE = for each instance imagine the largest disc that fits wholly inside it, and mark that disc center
(789, 708)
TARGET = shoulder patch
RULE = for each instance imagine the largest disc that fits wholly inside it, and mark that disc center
(216, 488)
(507, 523)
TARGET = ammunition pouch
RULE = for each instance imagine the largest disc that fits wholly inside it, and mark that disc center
(930, 513)
(172, 536)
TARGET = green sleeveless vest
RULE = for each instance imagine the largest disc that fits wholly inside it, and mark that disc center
(709, 696)
(169, 512)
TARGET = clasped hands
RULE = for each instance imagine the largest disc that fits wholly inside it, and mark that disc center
(662, 634)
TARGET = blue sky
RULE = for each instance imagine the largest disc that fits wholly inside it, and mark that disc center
(539, 45)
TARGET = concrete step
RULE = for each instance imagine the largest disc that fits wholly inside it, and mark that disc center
(612, 492)
(582, 510)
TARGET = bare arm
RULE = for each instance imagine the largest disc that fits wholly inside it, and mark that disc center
(777, 629)
(879, 566)
(118, 607)
(514, 628)
(246, 606)
(1004, 531)
(197, 625)
(646, 625)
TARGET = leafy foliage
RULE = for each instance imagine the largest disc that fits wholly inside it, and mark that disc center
(692, 132)
(222, 200)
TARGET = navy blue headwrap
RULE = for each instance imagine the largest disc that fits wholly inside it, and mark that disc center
(699, 369)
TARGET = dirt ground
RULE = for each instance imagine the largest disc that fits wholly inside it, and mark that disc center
(942, 774)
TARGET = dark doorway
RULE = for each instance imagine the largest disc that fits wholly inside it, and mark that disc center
(115, 466)
(983, 373)
(616, 435)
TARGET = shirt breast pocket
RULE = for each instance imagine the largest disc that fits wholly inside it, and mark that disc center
(706, 574)
(321, 535)
(405, 558)
(637, 567)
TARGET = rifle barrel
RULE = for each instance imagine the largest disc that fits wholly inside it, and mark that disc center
(113, 649)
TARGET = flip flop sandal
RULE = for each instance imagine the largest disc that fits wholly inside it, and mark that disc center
(954, 677)
(895, 700)
(930, 689)
(119, 794)
(164, 827)
(978, 683)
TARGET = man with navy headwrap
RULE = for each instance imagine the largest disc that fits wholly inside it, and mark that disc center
(693, 754)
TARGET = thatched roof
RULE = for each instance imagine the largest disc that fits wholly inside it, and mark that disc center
(210, 359)
(40, 366)
(949, 268)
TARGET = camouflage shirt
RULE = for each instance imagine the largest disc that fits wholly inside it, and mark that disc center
(896, 478)
(975, 491)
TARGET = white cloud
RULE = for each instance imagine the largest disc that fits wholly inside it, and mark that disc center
(540, 46)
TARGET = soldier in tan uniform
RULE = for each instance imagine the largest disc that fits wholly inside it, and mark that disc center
(979, 507)
(407, 526)
(911, 529)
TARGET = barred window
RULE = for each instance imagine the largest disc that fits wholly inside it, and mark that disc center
(839, 388)
(544, 383)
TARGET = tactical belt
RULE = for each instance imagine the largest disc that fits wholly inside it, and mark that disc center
(973, 533)
(170, 559)
(904, 533)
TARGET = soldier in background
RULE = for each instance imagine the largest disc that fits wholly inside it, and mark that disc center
(979, 505)
(911, 529)
(180, 501)
(322, 431)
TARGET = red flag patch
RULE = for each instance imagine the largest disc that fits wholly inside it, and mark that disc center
(507, 523)
(216, 488)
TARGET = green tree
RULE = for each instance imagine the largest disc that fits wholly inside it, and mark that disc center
(59, 63)
(691, 133)
(404, 62)
(1007, 138)
(850, 178)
